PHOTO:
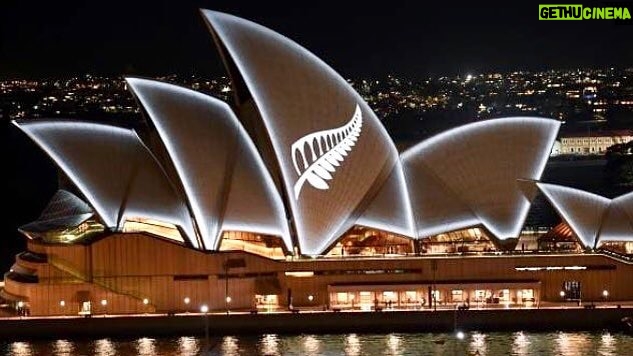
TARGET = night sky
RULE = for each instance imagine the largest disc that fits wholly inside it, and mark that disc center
(40, 39)
(358, 38)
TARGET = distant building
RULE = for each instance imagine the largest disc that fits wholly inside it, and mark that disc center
(556, 148)
(593, 143)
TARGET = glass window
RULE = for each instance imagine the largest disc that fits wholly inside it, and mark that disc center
(572, 289)
(436, 295)
(411, 296)
(341, 298)
(457, 295)
(504, 295)
(527, 293)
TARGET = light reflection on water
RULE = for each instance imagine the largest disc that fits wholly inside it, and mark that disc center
(145, 347)
(269, 345)
(478, 343)
(352, 345)
(572, 344)
(393, 342)
(188, 346)
(607, 345)
(311, 345)
(230, 346)
(63, 348)
(521, 344)
(21, 349)
(104, 347)
(474, 343)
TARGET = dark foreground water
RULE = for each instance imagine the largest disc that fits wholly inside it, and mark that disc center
(473, 343)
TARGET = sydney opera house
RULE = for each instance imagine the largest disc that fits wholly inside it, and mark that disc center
(295, 196)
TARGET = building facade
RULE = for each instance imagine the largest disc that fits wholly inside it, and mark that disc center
(77, 279)
(593, 143)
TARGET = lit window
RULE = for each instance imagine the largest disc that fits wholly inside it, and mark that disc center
(154, 227)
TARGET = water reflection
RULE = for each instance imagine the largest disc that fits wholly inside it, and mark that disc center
(311, 345)
(393, 342)
(63, 348)
(520, 344)
(146, 347)
(269, 344)
(104, 347)
(607, 345)
(188, 346)
(21, 349)
(230, 346)
(572, 344)
(475, 343)
(478, 344)
(352, 345)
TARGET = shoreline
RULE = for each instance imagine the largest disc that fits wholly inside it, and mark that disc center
(313, 322)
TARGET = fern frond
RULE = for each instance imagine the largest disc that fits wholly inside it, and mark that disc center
(316, 156)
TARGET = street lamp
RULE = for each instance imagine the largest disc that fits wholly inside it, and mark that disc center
(145, 304)
(20, 308)
(605, 294)
(562, 294)
(228, 302)
(104, 304)
(62, 304)
(205, 309)
(226, 266)
(310, 298)
(187, 301)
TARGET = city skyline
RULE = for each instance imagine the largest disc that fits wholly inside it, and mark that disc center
(402, 39)
(601, 98)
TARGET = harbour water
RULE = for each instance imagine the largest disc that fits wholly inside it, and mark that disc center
(470, 343)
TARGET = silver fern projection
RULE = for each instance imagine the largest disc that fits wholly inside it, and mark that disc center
(327, 149)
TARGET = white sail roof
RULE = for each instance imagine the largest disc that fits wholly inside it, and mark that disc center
(113, 170)
(470, 175)
(583, 211)
(593, 218)
(333, 154)
(225, 180)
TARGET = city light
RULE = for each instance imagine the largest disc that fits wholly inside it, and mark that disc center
(386, 100)
(228, 299)
(104, 302)
(145, 301)
(562, 294)
(204, 308)
(460, 335)
(62, 303)
(187, 300)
